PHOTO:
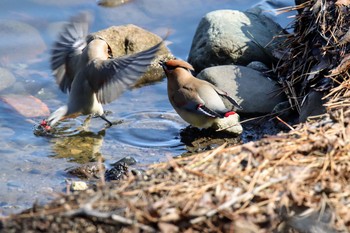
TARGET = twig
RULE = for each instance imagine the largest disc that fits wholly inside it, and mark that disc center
(235, 199)
(88, 211)
(288, 125)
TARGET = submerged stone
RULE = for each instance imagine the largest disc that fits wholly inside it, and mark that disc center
(7, 78)
(26, 105)
(22, 42)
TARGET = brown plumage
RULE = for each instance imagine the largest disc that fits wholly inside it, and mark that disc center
(198, 102)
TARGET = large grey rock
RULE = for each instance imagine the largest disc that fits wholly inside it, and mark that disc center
(253, 91)
(130, 39)
(232, 37)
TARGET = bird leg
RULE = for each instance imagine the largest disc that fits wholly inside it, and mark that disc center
(103, 117)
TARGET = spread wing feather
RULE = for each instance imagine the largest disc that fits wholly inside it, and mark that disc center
(111, 77)
(71, 42)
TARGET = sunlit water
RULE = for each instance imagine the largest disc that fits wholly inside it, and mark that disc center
(32, 167)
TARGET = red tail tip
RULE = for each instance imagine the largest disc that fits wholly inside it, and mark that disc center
(229, 113)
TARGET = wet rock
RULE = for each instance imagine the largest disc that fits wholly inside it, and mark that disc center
(22, 42)
(86, 171)
(117, 172)
(121, 168)
(111, 3)
(256, 93)
(312, 106)
(130, 39)
(258, 66)
(7, 78)
(26, 105)
(127, 160)
(232, 37)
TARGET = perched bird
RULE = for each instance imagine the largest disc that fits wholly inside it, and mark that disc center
(83, 67)
(198, 102)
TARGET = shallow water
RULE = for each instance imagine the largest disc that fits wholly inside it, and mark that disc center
(33, 167)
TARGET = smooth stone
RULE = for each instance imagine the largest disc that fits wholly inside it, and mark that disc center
(312, 106)
(7, 78)
(111, 3)
(256, 93)
(259, 66)
(22, 42)
(78, 186)
(26, 105)
(86, 171)
(226, 37)
(130, 39)
(128, 160)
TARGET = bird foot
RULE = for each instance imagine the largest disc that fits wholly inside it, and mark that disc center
(110, 124)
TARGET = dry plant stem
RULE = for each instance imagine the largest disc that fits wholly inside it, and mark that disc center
(101, 171)
(87, 210)
(235, 199)
(290, 127)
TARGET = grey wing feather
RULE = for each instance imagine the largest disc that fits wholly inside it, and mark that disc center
(185, 99)
(71, 42)
(116, 75)
(226, 96)
(208, 112)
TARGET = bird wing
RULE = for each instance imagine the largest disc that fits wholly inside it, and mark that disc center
(188, 98)
(109, 78)
(226, 96)
(68, 47)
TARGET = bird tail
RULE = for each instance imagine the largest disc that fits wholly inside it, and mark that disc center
(57, 115)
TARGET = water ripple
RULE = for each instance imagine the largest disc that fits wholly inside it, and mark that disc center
(149, 129)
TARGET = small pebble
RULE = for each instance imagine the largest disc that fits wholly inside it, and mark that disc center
(78, 186)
